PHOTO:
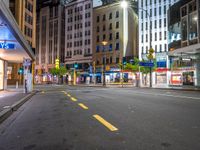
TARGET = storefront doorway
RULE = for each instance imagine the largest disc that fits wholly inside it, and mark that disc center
(188, 78)
(1, 74)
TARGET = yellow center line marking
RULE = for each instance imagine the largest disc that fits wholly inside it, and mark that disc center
(73, 99)
(82, 105)
(105, 123)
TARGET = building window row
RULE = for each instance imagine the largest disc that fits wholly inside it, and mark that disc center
(110, 16)
(107, 48)
(110, 27)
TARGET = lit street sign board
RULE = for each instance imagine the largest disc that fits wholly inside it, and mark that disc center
(146, 64)
(5, 45)
(26, 62)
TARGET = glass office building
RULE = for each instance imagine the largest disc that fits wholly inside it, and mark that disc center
(184, 43)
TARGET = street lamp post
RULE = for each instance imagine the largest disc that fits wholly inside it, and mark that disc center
(104, 43)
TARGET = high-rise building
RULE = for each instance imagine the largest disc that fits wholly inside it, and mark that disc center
(184, 43)
(78, 38)
(50, 38)
(24, 12)
(153, 29)
(114, 38)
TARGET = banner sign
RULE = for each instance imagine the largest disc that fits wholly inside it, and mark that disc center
(5, 45)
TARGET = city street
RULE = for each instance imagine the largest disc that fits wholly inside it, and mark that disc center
(94, 118)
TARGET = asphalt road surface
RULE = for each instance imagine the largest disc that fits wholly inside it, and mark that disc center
(82, 118)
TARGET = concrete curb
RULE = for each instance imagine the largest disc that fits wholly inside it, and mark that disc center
(130, 86)
(7, 112)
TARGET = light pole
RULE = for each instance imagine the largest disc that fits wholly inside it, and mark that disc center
(124, 5)
(104, 43)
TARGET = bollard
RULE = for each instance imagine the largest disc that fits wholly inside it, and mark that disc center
(17, 85)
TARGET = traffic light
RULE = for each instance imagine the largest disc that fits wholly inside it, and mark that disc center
(75, 65)
(124, 61)
(20, 71)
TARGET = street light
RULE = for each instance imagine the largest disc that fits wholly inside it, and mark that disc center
(124, 5)
(104, 43)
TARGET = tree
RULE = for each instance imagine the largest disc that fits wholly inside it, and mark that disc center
(60, 72)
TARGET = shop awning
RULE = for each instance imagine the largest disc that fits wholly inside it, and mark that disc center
(13, 45)
(189, 50)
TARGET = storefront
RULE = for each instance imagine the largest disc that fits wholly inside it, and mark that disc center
(1, 74)
(14, 49)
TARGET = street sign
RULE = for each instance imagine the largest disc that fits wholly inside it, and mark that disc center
(26, 62)
(146, 64)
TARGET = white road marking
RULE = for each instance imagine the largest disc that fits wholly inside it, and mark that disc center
(177, 96)
(5, 107)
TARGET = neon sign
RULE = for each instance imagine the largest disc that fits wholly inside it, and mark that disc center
(5, 45)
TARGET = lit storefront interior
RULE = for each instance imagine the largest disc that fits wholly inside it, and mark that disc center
(1, 73)
(184, 43)
(13, 46)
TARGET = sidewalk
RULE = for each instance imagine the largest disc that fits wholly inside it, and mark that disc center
(11, 100)
(183, 88)
(7, 98)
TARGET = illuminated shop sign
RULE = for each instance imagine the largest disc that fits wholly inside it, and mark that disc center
(4, 45)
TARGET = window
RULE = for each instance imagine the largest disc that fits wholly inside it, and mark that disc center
(104, 37)
(117, 46)
(142, 37)
(160, 11)
(104, 17)
(155, 36)
(142, 27)
(97, 38)
(97, 28)
(155, 24)
(146, 25)
(160, 48)
(117, 59)
(165, 9)
(165, 35)
(155, 12)
(156, 50)
(110, 26)
(160, 36)
(110, 47)
(165, 22)
(146, 37)
(160, 23)
(117, 35)
(117, 25)
(110, 16)
(110, 36)
(117, 14)
(97, 49)
(104, 27)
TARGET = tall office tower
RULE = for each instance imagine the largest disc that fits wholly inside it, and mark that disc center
(50, 37)
(184, 43)
(114, 38)
(78, 39)
(24, 12)
(153, 19)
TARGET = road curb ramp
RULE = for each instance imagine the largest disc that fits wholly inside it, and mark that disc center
(7, 112)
